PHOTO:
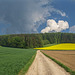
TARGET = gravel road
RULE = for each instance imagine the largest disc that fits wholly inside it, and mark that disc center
(42, 65)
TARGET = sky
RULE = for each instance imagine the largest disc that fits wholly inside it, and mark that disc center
(37, 16)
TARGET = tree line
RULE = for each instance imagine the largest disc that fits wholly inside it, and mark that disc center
(35, 40)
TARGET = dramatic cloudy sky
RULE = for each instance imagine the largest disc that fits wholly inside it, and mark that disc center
(37, 16)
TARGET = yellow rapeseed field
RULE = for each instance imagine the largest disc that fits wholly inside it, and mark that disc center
(63, 46)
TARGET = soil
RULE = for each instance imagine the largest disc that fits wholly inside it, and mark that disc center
(65, 57)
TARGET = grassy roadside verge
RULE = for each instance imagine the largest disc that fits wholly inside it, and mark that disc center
(26, 67)
(62, 65)
(49, 45)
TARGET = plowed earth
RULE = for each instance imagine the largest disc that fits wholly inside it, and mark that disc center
(65, 57)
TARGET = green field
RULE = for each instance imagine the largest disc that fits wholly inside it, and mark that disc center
(48, 45)
(13, 60)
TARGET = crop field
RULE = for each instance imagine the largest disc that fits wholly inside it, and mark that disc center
(65, 57)
(63, 46)
(12, 60)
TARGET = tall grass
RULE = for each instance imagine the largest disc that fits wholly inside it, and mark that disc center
(26, 67)
(12, 60)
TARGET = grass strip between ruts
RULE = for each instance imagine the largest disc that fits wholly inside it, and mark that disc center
(26, 67)
(62, 65)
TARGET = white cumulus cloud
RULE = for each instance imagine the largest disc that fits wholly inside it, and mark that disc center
(25, 16)
(52, 25)
(72, 29)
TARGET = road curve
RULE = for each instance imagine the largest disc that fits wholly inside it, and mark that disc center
(42, 65)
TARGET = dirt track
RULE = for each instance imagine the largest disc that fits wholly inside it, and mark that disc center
(45, 66)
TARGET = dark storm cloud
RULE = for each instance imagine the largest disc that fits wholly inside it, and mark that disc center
(24, 16)
(13, 12)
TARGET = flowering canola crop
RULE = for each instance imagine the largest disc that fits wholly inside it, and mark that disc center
(63, 46)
